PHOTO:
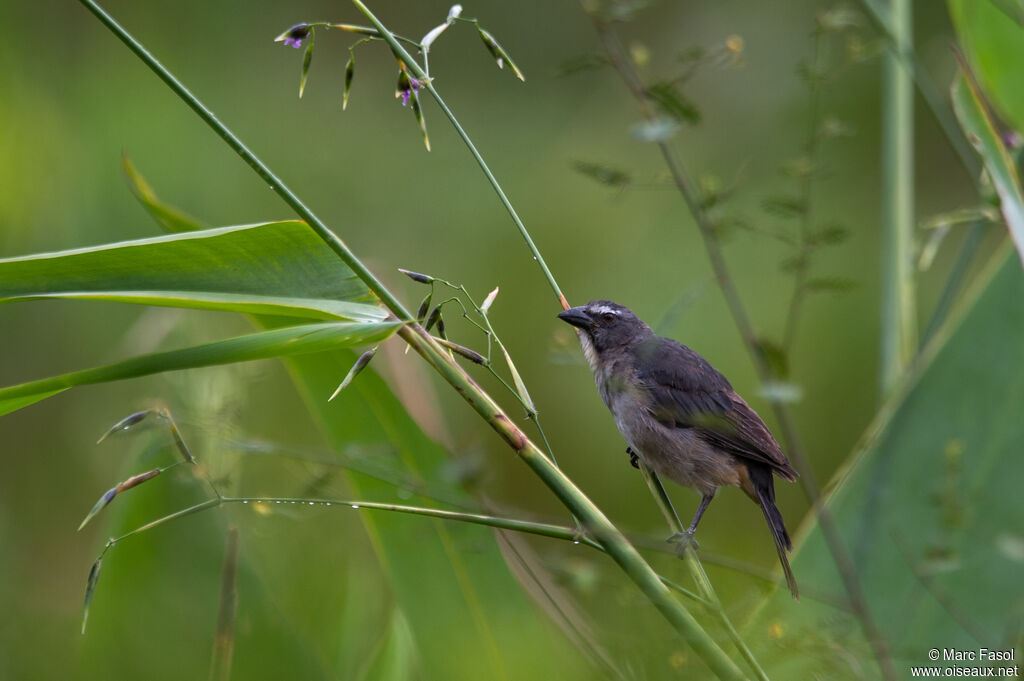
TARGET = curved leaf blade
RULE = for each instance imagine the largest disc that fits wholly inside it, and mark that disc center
(980, 129)
(290, 340)
(308, 308)
(283, 265)
(169, 218)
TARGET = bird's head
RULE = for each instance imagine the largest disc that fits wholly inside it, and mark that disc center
(607, 325)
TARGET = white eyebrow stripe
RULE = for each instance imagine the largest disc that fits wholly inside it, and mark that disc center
(604, 309)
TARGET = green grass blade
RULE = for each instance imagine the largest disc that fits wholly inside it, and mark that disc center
(979, 127)
(285, 261)
(291, 340)
(9, 404)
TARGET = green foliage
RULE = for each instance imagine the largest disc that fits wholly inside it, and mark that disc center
(927, 507)
(365, 595)
(979, 127)
(994, 45)
(673, 103)
(279, 268)
(290, 340)
(457, 594)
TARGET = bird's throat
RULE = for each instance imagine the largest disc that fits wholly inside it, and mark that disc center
(588, 350)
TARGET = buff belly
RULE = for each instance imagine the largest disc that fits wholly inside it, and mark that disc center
(678, 454)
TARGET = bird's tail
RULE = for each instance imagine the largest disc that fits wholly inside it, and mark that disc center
(763, 493)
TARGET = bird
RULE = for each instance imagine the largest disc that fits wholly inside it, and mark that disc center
(681, 416)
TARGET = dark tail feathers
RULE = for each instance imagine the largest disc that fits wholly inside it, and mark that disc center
(764, 495)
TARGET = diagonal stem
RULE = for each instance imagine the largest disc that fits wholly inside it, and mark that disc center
(700, 577)
(848, 574)
(276, 185)
(599, 526)
(403, 54)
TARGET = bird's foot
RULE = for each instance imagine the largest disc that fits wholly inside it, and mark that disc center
(682, 541)
(634, 460)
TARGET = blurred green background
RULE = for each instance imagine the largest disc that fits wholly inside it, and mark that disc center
(73, 99)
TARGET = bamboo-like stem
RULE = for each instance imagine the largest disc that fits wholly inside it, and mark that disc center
(276, 185)
(848, 574)
(700, 577)
(899, 334)
(938, 104)
(595, 522)
(428, 85)
(601, 529)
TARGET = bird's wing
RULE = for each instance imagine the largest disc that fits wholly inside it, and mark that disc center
(687, 392)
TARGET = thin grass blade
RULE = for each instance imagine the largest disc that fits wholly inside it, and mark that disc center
(292, 340)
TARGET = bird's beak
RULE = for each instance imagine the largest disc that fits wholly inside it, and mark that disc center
(577, 317)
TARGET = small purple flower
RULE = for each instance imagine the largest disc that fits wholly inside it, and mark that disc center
(294, 36)
(408, 87)
(406, 94)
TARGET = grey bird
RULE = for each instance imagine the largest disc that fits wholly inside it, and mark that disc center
(681, 416)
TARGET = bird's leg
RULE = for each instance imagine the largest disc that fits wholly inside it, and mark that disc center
(684, 539)
(633, 458)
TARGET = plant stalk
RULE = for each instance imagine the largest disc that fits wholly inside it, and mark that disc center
(899, 313)
(848, 574)
(276, 185)
(605, 533)
(700, 577)
(400, 52)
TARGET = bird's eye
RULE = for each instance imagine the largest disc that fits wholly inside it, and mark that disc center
(608, 317)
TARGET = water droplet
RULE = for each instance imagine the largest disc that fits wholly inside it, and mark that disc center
(311, 503)
(575, 541)
(328, 503)
(293, 502)
(355, 505)
(278, 501)
(245, 501)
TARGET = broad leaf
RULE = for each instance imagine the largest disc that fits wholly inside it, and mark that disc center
(461, 610)
(930, 511)
(994, 45)
(279, 268)
(468, 616)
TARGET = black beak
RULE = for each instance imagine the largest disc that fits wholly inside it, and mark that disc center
(577, 317)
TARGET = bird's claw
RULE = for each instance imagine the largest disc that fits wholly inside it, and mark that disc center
(683, 540)
(634, 460)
